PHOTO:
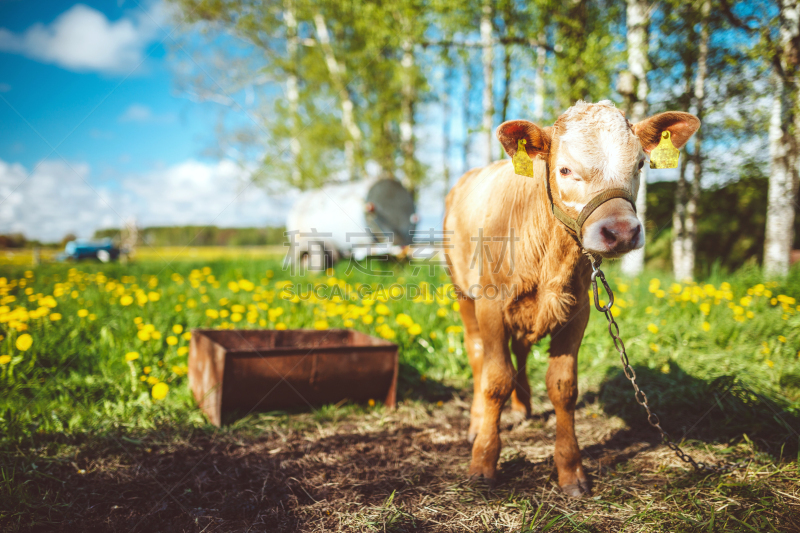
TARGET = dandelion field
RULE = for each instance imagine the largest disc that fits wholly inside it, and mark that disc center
(98, 427)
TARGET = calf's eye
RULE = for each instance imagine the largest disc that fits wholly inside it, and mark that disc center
(565, 171)
(641, 164)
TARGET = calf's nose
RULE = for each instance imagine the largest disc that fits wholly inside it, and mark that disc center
(621, 235)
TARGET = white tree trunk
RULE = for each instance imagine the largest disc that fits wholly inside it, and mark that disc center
(407, 118)
(690, 247)
(538, 86)
(337, 72)
(684, 244)
(292, 90)
(782, 149)
(780, 206)
(467, 116)
(487, 44)
(638, 18)
(446, 137)
(679, 225)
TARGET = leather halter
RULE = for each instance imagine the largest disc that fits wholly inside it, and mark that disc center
(574, 227)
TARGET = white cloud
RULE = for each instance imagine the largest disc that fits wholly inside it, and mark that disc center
(83, 39)
(58, 199)
(142, 113)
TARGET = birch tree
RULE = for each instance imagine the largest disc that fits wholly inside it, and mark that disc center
(353, 143)
(684, 226)
(487, 46)
(784, 130)
(635, 90)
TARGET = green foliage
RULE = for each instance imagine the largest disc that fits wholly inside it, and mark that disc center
(203, 236)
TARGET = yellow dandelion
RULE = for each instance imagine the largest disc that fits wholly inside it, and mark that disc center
(404, 320)
(83, 313)
(172, 340)
(706, 326)
(654, 347)
(367, 319)
(126, 300)
(321, 324)
(24, 342)
(769, 363)
(371, 402)
(160, 391)
(55, 317)
(5, 359)
(212, 313)
(415, 329)
(652, 328)
(456, 306)
(433, 335)
(132, 356)
(441, 312)
(280, 326)
(143, 335)
(187, 336)
(147, 370)
(177, 329)
(781, 338)
(183, 350)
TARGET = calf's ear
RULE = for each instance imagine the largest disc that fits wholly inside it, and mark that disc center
(537, 140)
(681, 127)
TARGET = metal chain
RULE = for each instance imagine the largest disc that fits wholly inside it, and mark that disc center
(641, 397)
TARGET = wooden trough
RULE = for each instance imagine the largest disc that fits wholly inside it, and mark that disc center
(266, 370)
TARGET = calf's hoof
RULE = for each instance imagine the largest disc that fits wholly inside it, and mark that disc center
(480, 480)
(484, 473)
(577, 490)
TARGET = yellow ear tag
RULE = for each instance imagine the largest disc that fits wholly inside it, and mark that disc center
(523, 164)
(665, 155)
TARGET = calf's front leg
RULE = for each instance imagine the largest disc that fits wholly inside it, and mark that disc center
(562, 388)
(497, 381)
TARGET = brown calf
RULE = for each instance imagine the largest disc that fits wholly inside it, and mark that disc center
(521, 274)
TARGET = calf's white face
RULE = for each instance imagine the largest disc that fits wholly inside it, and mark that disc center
(592, 148)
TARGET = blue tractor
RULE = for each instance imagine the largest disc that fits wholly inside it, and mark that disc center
(103, 250)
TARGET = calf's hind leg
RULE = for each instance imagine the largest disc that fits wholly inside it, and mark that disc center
(521, 396)
(562, 388)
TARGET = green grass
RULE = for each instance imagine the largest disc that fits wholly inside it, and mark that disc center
(730, 387)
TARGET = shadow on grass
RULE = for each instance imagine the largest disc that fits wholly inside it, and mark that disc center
(413, 385)
(723, 410)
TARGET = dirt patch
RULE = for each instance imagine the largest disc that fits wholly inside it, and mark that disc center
(402, 470)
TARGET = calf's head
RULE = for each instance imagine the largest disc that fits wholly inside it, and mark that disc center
(593, 148)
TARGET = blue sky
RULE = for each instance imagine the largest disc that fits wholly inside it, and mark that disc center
(94, 131)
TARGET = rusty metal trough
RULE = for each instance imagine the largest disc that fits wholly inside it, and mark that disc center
(264, 370)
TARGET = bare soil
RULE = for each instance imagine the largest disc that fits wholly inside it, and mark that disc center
(382, 470)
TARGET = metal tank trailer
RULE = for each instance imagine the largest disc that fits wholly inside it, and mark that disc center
(359, 219)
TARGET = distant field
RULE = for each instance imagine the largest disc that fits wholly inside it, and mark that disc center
(24, 256)
(97, 425)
